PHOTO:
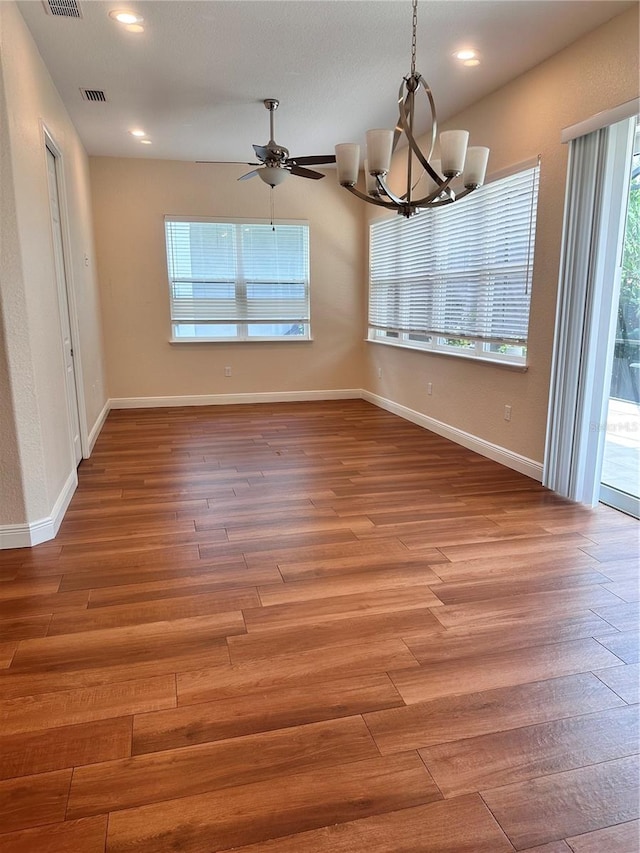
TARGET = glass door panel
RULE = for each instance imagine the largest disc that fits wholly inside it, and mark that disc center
(621, 461)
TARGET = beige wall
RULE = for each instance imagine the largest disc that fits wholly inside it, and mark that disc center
(34, 385)
(12, 497)
(518, 122)
(130, 200)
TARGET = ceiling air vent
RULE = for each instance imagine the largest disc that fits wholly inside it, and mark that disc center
(95, 95)
(63, 8)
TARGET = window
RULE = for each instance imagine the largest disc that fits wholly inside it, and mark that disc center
(458, 279)
(237, 281)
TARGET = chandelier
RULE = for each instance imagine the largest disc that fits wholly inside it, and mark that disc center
(455, 157)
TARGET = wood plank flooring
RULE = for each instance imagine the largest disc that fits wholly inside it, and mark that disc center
(317, 628)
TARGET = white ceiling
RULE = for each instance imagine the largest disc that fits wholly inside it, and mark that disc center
(195, 79)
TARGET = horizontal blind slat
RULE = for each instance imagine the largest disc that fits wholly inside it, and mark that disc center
(462, 270)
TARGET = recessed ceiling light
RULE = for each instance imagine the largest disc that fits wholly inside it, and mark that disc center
(134, 28)
(145, 141)
(123, 17)
(468, 56)
(137, 133)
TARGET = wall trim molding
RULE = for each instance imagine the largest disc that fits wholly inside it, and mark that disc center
(36, 532)
(234, 399)
(505, 457)
(97, 427)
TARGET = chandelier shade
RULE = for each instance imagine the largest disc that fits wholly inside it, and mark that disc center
(379, 151)
(456, 158)
(475, 166)
(347, 163)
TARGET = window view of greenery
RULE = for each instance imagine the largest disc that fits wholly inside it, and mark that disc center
(237, 280)
(625, 379)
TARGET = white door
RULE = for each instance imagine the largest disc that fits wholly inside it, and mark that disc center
(61, 280)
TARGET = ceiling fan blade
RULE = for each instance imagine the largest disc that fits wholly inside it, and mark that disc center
(313, 161)
(248, 175)
(227, 163)
(304, 173)
(262, 152)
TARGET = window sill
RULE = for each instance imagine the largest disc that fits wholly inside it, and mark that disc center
(494, 362)
(281, 340)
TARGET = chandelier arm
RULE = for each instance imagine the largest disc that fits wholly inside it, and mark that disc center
(438, 202)
(424, 161)
(445, 201)
(443, 187)
(466, 191)
(399, 128)
(396, 199)
(412, 108)
(432, 200)
(414, 83)
(370, 199)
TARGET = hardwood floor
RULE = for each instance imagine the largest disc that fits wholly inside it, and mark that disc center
(317, 628)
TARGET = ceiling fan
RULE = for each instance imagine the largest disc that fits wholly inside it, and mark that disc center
(275, 160)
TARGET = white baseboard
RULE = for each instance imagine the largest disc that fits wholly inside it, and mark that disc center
(97, 427)
(234, 399)
(35, 532)
(505, 457)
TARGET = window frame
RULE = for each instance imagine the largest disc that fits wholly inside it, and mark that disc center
(240, 285)
(508, 352)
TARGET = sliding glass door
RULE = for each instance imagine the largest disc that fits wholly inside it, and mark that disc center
(621, 460)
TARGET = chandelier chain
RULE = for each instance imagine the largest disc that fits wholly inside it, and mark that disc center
(414, 37)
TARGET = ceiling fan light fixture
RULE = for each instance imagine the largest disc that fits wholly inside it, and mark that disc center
(273, 175)
(457, 158)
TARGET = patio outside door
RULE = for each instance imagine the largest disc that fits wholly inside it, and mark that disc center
(621, 461)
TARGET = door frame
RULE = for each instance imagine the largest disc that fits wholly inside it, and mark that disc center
(49, 142)
(593, 232)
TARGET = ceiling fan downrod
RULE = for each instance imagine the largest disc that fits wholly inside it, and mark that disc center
(272, 105)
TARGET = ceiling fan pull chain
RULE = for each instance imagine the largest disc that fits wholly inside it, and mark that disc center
(272, 207)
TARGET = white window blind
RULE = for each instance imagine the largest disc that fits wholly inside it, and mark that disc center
(462, 271)
(237, 279)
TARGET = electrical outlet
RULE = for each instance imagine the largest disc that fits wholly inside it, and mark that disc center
(507, 413)
(429, 388)
(227, 371)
